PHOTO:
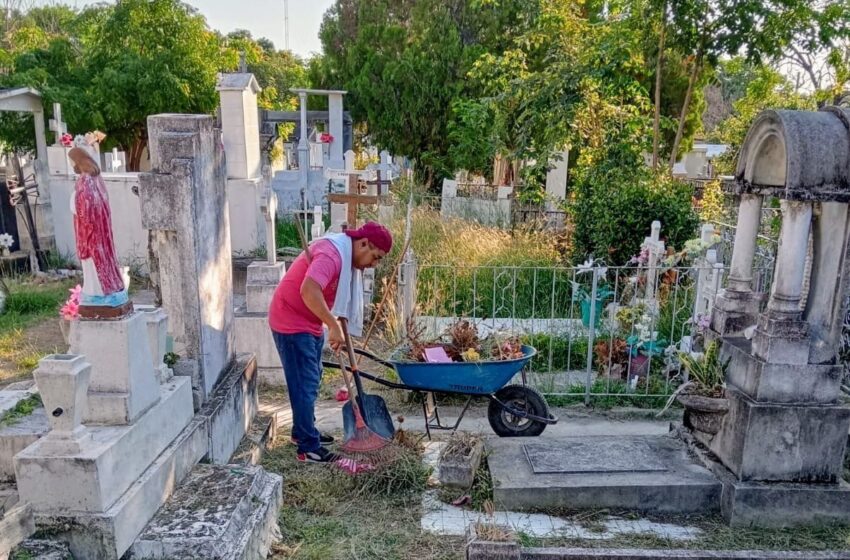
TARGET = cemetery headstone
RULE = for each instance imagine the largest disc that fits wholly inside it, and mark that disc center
(786, 423)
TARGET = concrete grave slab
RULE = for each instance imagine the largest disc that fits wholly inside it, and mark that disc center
(589, 456)
(240, 526)
(683, 487)
(17, 437)
(43, 549)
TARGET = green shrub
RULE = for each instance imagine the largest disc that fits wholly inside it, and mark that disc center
(614, 207)
(565, 353)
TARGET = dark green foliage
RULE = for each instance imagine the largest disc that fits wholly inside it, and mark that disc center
(615, 205)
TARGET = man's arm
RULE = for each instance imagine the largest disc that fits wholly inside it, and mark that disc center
(311, 293)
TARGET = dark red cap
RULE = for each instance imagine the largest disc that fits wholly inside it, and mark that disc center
(377, 234)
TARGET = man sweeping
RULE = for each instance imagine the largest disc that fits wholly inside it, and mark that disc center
(318, 288)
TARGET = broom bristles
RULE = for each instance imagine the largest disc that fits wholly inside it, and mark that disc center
(364, 440)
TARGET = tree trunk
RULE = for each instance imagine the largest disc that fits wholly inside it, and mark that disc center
(656, 124)
(685, 106)
(137, 148)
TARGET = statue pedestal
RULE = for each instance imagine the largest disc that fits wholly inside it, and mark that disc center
(124, 383)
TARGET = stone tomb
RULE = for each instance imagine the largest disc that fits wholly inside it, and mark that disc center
(124, 429)
(645, 473)
(97, 484)
(782, 443)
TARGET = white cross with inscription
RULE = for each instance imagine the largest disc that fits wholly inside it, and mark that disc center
(268, 207)
(56, 125)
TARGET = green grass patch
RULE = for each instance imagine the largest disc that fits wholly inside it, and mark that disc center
(29, 303)
(286, 232)
(21, 410)
(610, 393)
(557, 353)
(26, 306)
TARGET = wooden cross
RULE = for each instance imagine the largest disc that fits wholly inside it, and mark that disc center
(56, 125)
(354, 199)
(380, 183)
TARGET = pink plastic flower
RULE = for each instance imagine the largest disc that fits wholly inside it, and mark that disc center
(71, 308)
(326, 138)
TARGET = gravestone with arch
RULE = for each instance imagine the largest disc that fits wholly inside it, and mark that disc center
(782, 442)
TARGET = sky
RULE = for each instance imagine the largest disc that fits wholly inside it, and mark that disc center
(263, 18)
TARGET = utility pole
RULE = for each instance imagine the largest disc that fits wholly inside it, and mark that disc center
(286, 24)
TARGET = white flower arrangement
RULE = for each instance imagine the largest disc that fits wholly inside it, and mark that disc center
(6, 240)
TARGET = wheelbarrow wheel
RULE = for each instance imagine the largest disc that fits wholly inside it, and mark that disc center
(517, 397)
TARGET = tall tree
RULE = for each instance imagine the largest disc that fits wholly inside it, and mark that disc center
(759, 29)
(149, 57)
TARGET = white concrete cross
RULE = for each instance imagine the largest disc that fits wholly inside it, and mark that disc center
(56, 125)
(318, 228)
(114, 162)
(268, 207)
(655, 250)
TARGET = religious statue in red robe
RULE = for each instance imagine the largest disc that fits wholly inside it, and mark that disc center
(103, 285)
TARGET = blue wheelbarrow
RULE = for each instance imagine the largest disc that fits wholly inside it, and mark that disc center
(515, 410)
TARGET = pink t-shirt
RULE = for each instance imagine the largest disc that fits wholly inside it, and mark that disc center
(287, 313)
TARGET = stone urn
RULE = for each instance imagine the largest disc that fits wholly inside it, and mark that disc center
(704, 414)
(63, 382)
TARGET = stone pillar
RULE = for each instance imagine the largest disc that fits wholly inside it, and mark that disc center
(268, 208)
(781, 336)
(791, 260)
(303, 146)
(184, 205)
(335, 156)
(746, 235)
(240, 125)
(824, 307)
(736, 307)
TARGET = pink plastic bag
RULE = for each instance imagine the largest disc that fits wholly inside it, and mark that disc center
(352, 466)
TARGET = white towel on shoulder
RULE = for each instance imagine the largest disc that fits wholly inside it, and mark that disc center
(349, 292)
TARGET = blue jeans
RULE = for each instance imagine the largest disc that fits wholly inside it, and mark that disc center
(301, 356)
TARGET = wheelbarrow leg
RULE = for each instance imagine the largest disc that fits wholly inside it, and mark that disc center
(427, 414)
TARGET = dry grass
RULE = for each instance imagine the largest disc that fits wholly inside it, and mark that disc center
(438, 240)
(488, 531)
(460, 445)
(328, 514)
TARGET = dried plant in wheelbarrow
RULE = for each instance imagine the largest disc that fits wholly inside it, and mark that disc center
(464, 341)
